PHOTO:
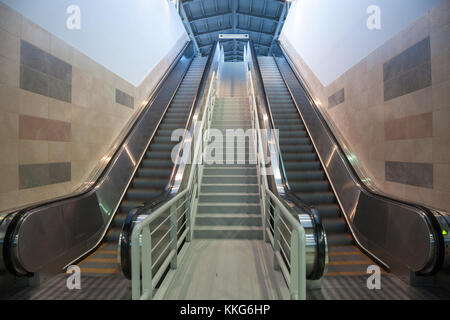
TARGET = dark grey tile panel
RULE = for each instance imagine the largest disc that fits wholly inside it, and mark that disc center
(124, 99)
(60, 69)
(36, 175)
(408, 59)
(59, 89)
(33, 80)
(60, 172)
(33, 57)
(409, 71)
(336, 98)
(415, 174)
(45, 74)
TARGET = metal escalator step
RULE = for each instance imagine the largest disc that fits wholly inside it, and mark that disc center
(296, 148)
(294, 141)
(149, 183)
(306, 175)
(157, 172)
(310, 186)
(292, 134)
(142, 194)
(167, 163)
(302, 165)
(334, 225)
(328, 210)
(302, 156)
(339, 239)
(317, 197)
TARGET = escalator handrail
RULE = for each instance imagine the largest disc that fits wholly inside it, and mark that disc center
(429, 212)
(177, 171)
(16, 217)
(283, 189)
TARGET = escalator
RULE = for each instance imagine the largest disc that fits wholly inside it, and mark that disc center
(154, 172)
(137, 169)
(362, 227)
(306, 176)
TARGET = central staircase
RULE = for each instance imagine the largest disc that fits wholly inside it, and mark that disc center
(229, 202)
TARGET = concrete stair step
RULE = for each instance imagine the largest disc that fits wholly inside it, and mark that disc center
(229, 198)
(228, 232)
(229, 208)
(230, 179)
(228, 219)
(227, 188)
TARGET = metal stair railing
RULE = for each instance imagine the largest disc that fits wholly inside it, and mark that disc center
(294, 267)
(146, 274)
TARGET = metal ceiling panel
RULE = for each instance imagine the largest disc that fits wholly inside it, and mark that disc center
(261, 19)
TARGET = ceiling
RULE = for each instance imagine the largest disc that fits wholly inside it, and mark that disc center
(206, 19)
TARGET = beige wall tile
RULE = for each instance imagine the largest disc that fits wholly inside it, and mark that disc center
(441, 200)
(9, 72)
(9, 98)
(440, 68)
(440, 15)
(80, 151)
(9, 45)
(80, 133)
(9, 125)
(10, 151)
(61, 49)
(441, 150)
(32, 104)
(10, 178)
(9, 200)
(10, 20)
(59, 110)
(417, 150)
(36, 35)
(442, 177)
(441, 123)
(440, 40)
(398, 190)
(33, 151)
(59, 151)
(441, 95)
(418, 195)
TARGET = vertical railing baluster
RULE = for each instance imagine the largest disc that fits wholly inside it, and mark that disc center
(276, 236)
(298, 267)
(267, 213)
(146, 249)
(188, 218)
(135, 265)
(174, 234)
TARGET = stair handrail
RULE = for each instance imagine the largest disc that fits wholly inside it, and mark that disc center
(293, 267)
(144, 279)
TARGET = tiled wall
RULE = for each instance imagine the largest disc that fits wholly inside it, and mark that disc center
(60, 111)
(395, 113)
